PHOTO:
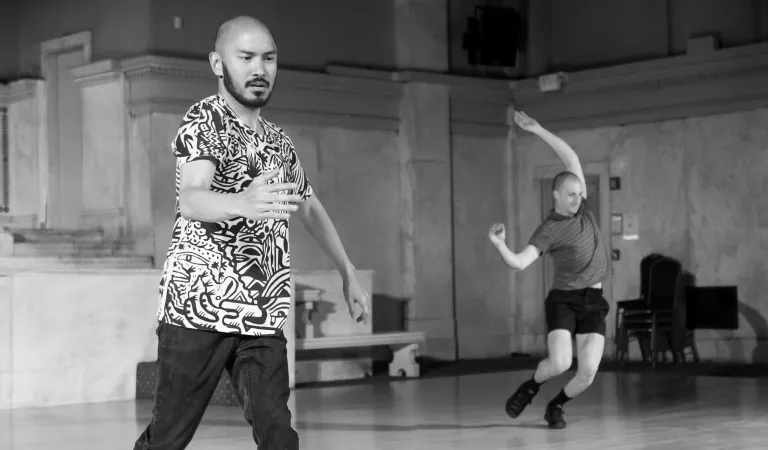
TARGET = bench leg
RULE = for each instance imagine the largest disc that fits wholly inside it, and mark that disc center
(404, 361)
(306, 318)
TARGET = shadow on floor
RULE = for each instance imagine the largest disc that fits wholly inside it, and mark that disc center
(436, 368)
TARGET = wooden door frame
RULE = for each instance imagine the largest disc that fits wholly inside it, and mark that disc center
(82, 41)
(602, 170)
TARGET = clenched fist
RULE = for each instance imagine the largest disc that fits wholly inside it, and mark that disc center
(497, 235)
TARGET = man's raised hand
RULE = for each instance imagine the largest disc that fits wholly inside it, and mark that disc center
(526, 123)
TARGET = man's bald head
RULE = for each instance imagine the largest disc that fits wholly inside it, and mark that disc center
(563, 177)
(568, 191)
(235, 29)
(245, 60)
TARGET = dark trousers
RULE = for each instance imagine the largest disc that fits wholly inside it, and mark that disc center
(190, 364)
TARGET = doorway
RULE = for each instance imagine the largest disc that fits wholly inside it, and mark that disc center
(547, 203)
(61, 179)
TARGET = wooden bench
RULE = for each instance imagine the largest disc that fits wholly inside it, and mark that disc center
(404, 346)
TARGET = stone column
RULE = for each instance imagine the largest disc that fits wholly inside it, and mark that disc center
(421, 28)
(140, 188)
(105, 147)
(6, 349)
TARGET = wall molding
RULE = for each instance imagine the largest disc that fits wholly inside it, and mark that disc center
(97, 73)
(718, 82)
(342, 96)
(102, 212)
(416, 76)
(19, 90)
(172, 85)
(479, 107)
(20, 221)
(549, 171)
(61, 44)
(480, 113)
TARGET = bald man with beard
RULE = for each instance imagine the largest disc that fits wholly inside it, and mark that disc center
(225, 291)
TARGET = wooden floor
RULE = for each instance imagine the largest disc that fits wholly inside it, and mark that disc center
(620, 411)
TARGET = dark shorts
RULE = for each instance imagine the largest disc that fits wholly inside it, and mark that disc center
(579, 311)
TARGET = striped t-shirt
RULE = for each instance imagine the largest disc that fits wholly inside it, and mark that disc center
(576, 247)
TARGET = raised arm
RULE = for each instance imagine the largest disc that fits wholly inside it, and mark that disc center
(564, 151)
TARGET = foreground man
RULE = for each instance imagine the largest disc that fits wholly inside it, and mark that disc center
(225, 291)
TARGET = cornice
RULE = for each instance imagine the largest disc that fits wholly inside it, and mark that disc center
(18, 90)
(691, 85)
(163, 84)
(97, 73)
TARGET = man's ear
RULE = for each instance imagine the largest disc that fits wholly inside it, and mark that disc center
(216, 65)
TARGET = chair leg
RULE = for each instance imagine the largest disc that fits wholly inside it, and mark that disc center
(653, 342)
(624, 346)
(618, 338)
(617, 325)
(644, 346)
(692, 343)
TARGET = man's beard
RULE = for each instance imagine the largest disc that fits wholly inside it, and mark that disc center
(239, 94)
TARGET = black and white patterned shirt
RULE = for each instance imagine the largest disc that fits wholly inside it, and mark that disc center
(231, 276)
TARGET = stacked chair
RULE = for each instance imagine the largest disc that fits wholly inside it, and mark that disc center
(656, 320)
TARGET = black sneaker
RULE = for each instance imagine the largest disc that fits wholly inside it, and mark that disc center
(522, 397)
(554, 416)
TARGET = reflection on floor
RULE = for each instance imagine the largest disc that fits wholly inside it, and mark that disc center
(620, 411)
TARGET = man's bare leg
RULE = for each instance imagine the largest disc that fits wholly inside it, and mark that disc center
(589, 353)
(559, 358)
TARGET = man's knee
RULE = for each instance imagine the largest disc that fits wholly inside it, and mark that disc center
(560, 350)
(561, 363)
(560, 358)
(587, 371)
(590, 353)
(265, 408)
(271, 414)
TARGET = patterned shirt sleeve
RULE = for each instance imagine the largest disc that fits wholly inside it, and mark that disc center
(296, 173)
(543, 238)
(202, 135)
